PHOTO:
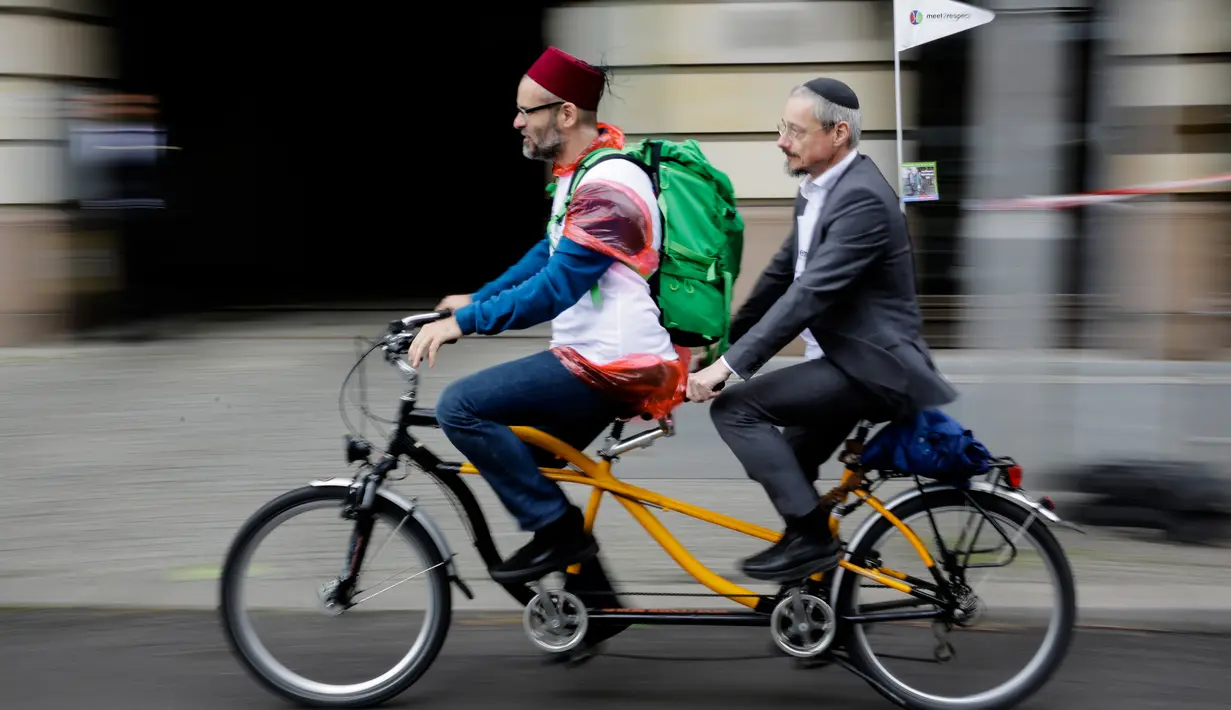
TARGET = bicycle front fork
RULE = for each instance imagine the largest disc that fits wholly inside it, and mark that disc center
(358, 507)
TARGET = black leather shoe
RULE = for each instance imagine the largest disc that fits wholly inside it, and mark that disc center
(772, 552)
(561, 543)
(796, 556)
(807, 547)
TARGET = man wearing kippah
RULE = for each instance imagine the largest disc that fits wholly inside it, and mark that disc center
(609, 353)
(844, 280)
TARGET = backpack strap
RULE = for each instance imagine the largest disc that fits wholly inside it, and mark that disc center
(588, 162)
(594, 158)
(656, 151)
(651, 171)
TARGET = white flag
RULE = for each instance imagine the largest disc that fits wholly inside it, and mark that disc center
(917, 22)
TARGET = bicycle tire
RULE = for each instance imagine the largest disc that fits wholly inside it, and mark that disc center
(1017, 689)
(438, 625)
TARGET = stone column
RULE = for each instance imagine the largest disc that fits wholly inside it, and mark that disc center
(1019, 100)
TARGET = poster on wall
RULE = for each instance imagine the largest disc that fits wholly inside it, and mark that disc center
(918, 182)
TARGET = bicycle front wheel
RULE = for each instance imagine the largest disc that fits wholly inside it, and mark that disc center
(946, 669)
(294, 591)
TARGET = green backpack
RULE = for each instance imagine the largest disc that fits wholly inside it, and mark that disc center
(702, 243)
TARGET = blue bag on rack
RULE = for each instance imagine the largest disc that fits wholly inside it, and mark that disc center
(932, 444)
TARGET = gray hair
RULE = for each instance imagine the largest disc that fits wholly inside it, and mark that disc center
(831, 114)
(585, 116)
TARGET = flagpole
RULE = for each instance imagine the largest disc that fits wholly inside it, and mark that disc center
(897, 101)
(917, 23)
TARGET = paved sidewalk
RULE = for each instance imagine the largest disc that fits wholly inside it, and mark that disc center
(130, 467)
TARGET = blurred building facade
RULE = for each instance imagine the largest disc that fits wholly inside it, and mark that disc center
(1058, 97)
(1165, 265)
(50, 52)
(1053, 97)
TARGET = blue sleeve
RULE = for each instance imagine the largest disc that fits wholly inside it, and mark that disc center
(569, 275)
(530, 264)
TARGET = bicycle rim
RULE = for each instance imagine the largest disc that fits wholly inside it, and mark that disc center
(273, 672)
(1057, 637)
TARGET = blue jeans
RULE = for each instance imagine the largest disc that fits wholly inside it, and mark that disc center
(476, 412)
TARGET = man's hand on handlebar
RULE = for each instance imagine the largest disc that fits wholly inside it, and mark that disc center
(429, 339)
(454, 302)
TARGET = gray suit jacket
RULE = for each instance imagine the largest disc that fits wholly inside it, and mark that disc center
(856, 295)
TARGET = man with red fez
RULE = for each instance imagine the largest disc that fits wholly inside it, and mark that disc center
(609, 352)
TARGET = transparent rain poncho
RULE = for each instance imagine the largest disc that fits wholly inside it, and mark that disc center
(609, 218)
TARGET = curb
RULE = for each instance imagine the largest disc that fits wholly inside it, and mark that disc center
(1210, 622)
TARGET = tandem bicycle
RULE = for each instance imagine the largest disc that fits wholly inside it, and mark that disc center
(820, 621)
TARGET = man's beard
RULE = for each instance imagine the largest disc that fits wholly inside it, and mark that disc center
(793, 172)
(546, 148)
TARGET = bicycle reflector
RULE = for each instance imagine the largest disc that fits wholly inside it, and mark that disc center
(1014, 474)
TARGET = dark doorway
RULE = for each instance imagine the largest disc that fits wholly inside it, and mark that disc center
(333, 154)
(942, 69)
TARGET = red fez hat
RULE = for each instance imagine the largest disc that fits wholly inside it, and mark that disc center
(569, 78)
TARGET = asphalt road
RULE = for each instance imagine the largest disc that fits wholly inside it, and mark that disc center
(106, 660)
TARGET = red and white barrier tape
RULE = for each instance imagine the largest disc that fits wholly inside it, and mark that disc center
(1060, 202)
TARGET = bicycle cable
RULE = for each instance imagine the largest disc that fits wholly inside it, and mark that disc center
(342, 398)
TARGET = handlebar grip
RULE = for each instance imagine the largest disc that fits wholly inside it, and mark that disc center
(401, 324)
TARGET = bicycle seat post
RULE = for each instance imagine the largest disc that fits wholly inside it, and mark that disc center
(854, 445)
(861, 432)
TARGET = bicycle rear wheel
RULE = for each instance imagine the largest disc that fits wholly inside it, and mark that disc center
(275, 674)
(1020, 527)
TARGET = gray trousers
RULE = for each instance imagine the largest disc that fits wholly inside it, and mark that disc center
(816, 405)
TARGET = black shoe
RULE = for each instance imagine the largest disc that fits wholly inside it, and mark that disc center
(772, 552)
(561, 543)
(805, 549)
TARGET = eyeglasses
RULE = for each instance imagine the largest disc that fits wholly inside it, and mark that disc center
(525, 112)
(796, 134)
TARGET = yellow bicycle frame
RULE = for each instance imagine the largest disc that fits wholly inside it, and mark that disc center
(597, 474)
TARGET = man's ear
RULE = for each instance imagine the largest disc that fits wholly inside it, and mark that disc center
(569, 115)
(841, 134)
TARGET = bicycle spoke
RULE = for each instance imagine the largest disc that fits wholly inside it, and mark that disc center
(393, 534)
(386, 579)
(282, 645)
(992, 670)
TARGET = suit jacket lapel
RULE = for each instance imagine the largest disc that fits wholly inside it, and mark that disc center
(800, 203)
(818, 237)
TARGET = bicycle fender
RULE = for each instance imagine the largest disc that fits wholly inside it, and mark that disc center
(433, 530)
(892, 504)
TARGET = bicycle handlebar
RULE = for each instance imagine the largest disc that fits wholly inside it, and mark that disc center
(397, 338)
(402, 324)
